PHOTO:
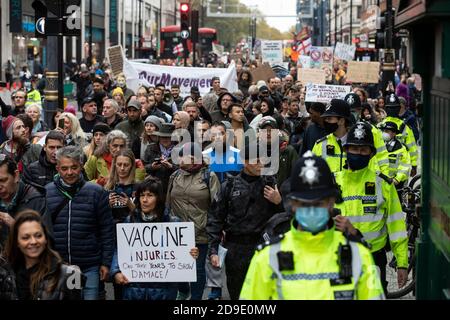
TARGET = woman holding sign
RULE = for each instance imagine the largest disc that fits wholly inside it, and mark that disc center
(149, 203)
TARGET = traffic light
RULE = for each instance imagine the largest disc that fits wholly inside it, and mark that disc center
(40, 14)
(185, 11)
(381, 35)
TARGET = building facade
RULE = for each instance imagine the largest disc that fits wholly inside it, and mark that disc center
(344, 18)
(134, 24)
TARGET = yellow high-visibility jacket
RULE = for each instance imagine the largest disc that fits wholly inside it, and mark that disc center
(315, 270)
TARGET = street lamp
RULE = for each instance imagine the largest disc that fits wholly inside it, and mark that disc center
(351, 22)
(336, 7)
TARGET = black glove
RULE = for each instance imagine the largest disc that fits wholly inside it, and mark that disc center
(413, 171)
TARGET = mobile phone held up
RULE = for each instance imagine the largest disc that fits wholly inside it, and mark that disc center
(61, 123)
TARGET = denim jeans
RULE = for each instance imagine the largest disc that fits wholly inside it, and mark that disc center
(198, 287)
(90, 290)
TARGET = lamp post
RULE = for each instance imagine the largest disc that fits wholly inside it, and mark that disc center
(336, 7)
(329, 22)
(351, 21)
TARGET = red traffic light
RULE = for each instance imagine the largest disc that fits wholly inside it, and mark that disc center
(184, 7)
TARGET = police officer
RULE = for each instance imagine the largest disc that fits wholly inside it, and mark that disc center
(241, 209)
(302, 263)
(371, 203)
(381, 160)
(336, 123)
(399, 160)
(405, 135)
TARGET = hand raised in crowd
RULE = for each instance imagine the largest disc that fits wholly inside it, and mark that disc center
(104, 272)
(214, 258)
(343, 224)
(273, 195)
(6, 219)
(120, 278)
(194, 252)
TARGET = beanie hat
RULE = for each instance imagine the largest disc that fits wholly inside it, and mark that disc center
(71, 109)
(7, 126)
(117, 90)
(101, 127)
(155, 121)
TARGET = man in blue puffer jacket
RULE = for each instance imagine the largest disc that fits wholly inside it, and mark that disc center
(80, 220)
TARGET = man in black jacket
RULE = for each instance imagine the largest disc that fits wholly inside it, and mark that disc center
(42, 172)
(80, 221)
(241, 209)
(315, 130)
(15, 196)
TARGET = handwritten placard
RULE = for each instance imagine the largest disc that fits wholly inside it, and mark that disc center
(344, 51)
(311, 76)
(116, 58)
(363, 71)
(272, 52)
(156, 252)
(325, 93)
(263, 72)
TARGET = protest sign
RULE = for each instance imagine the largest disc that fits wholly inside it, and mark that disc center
(151, 74)
(272, 52)
(325, 93)
(315, 54)
(116, 59)
(156, 252)
(304, 62)
(311, 76)
(363, 71)
(344, 51)
(263, 72)
(327, 55)
(218, 49)
(328, 69)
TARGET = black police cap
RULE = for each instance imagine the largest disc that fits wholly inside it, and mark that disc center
(311, 179)
(353, 100)
(389, 125)
(360, 135)
(392, 100)
(337, 108)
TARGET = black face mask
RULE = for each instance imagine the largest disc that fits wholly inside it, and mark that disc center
(357, 161)
(393, 112)
(330, 127)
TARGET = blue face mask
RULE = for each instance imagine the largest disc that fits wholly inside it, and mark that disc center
(312, 219)
(357, 161)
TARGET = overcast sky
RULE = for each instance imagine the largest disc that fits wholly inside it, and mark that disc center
(276, 7)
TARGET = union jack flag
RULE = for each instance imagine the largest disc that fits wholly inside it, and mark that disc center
(178, 49)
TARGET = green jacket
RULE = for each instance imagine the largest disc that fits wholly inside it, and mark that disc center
(96, 168)
(190, 198)
(288, 157)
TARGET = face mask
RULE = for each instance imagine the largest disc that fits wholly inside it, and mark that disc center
(392, 111)
(386, 136)
(312, 219)
(357, 161)
(330, 127)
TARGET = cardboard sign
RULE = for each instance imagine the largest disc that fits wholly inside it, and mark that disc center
(325, 93)
(156, 252)
(344, 51)
(218, 49)
(263, 72)
(311, 76)
(116, 58)
(363, 71)
(272, 52)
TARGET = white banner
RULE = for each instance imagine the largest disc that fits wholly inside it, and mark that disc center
(272, 52)
(304, 62)
(325, 93)
(344, 51)
(151, 74)
(156, 252)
